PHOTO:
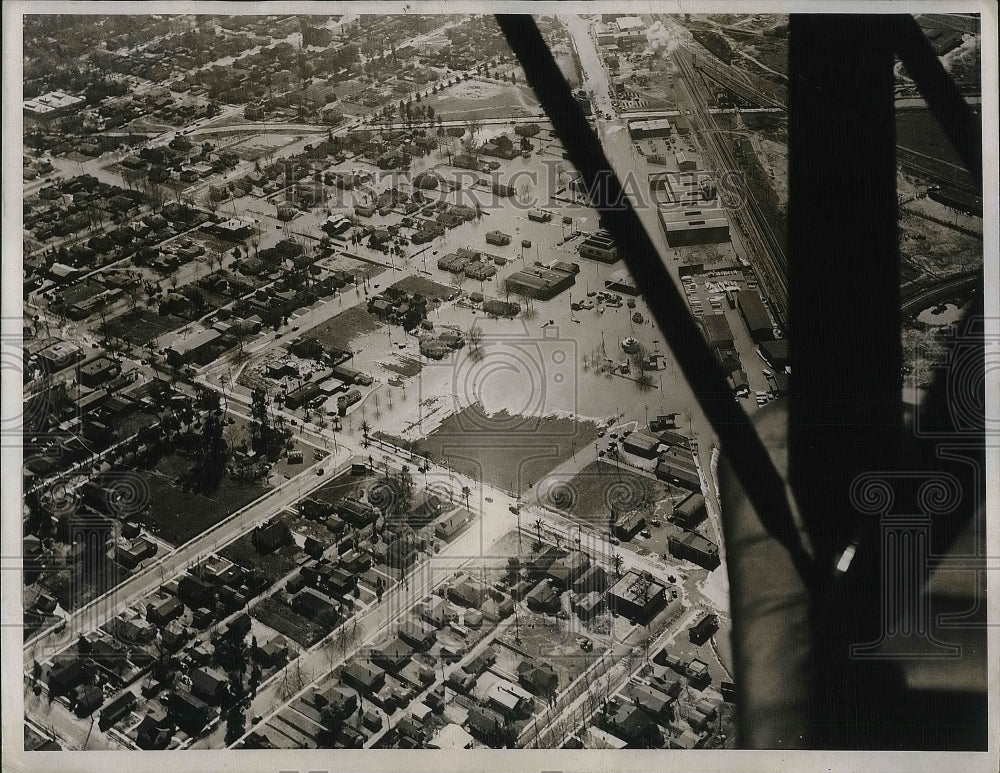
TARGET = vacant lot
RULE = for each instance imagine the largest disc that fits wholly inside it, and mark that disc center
(274, 565)
(140, 326)
(510, 452)
(598, 488)
(345, 327)
(426, 287)
(283, 619)
(176, 515)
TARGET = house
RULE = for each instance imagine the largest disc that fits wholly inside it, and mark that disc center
(543, 598)
(209, 684)
(467, 593)
(418, 634)
(86, 699)
(488, 726)
(508, 699)
(497, 238)
(392, 656)
(630, 723)
(164, 611)
(154, 731)
(451, 736)
(654, 702)
(272, 654)
(190, 712)
(366, 678)
(564, 571)
(343, 698)
(270, 536)
(594, 579)
(588, 605)
(439, 613)
(135, 630)
(461, 681)
(538, 678)
(452, 523)
(486, 658)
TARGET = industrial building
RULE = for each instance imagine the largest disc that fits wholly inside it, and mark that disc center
(693, 547)
(539, 282)
(622, 282)
(676, 466)
(637, 596)
(717, 330)
(649, 128)
(685, 224)
(498, 238)
(777, 353)
(685, 161)
(194, 348)
(641, 444)
(683, 189)
(690, 512)
(755, 315)
(50, 105)
(599, 246)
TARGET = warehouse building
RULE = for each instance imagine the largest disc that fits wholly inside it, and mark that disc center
(691, 546)
(690, 512)
(637, 596)
(539, 282)
(498, 238)
(599, 246)
(649, 128)
(197, 347)
(686, 223)
(50, 105)
(777, 353)
(717, 330)
(755, 315)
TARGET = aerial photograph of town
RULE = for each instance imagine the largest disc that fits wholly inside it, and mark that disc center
(345, 424)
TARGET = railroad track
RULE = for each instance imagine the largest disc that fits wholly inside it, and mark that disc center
(766, 253)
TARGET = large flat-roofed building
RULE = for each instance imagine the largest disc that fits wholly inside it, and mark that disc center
(622, 282)
(683, 189)
(649, 128)
(757, 320)
(50, 105)
(676, 465)
(59, 355)
(717, 330)
(687, 223)
(539, 282)
(599, 246)
(194, 348)
(685, 161)
(693, 547)
(637, 596)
